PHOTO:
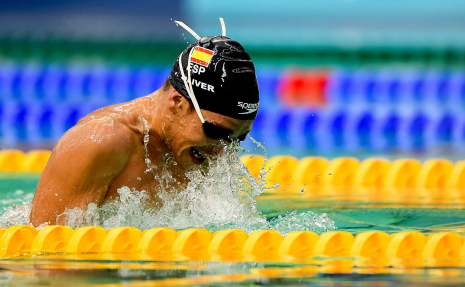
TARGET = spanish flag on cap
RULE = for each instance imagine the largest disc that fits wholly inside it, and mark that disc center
(202, 56)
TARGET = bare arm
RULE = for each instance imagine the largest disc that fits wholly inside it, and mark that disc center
(82, 167)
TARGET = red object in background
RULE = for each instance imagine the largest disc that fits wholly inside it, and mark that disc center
(303, 88)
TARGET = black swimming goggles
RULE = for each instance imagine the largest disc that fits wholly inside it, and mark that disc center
(218, 133)
(211, 130)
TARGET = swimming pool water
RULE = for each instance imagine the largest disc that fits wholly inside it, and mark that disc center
(352, 209)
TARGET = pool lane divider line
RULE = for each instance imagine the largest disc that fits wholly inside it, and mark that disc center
(309, 171)
(410, 248)
(18, 161)
(436, 184)
(350, 172)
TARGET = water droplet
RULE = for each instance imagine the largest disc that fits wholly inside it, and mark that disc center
(56, 194)
(330, 174)
(302, 190)
(139, 179)
(318, 175)
(191, 205)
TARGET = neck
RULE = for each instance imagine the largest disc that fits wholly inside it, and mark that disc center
(153, 121)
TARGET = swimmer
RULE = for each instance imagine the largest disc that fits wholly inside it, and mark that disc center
(209, 100)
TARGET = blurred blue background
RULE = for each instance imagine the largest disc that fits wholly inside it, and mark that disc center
(337, 77)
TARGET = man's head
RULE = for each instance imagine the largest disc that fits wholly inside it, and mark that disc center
(222, 77)
(218, 76)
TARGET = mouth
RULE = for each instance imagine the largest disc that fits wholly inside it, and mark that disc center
(197, 156)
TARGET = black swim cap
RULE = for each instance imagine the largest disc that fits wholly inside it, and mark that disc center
(222, 75)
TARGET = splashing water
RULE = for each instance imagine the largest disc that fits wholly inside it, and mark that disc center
(217, 198)
(15, 215)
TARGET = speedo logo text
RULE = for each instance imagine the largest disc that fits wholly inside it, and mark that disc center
(247, 106)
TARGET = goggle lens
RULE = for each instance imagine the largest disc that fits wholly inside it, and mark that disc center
(215, 132)
(218, 133)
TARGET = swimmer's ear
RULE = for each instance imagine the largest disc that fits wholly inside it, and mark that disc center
(176, 102)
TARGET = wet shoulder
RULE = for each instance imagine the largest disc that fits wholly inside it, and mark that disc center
(107, 128)
(120, 112)
(125, 116)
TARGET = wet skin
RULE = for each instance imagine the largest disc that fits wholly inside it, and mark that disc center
(105, 151)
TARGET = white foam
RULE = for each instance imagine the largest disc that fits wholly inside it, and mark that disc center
(220, 198)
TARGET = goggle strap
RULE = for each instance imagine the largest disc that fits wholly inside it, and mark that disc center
(223, 27)
(189, 80)
(189, 89)
(188, 84)
(192, 32)
(188, 29)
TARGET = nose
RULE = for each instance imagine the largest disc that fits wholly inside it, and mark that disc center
(216, 150)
